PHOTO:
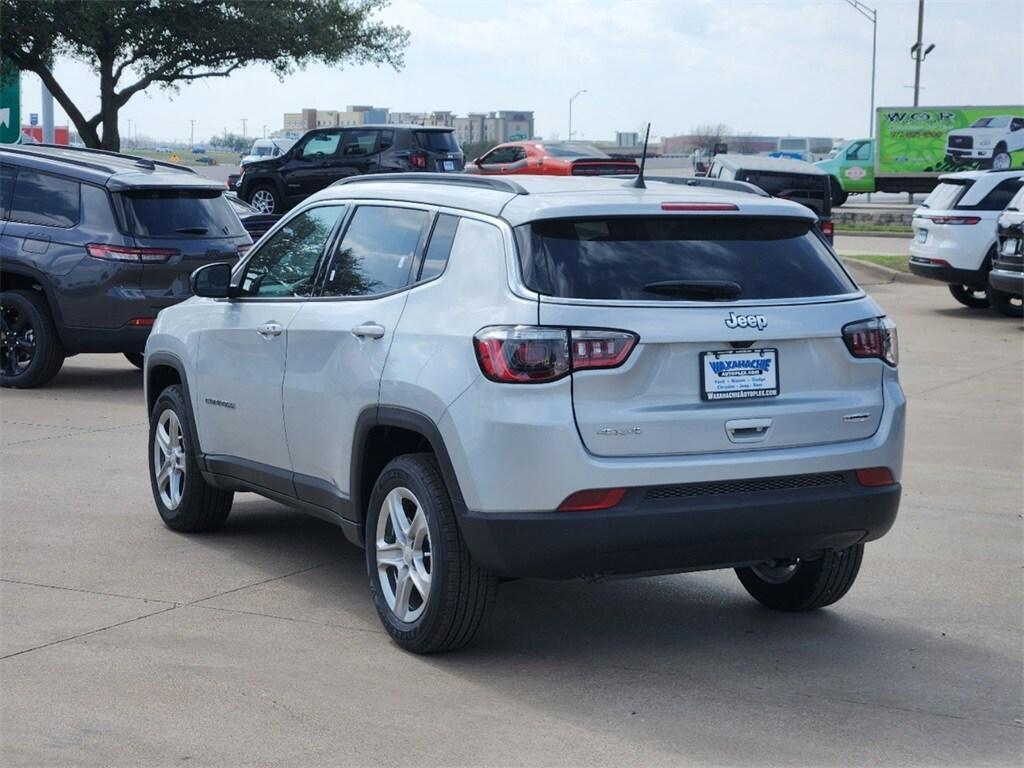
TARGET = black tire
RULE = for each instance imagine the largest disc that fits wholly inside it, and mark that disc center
(1005, 303)
(135, 358)
(812, 583)
(974, 298)
(262, 192)
(461, 593)
(30, 350)
(201, 506)
(839, 195)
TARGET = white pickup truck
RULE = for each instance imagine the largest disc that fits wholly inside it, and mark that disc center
(988, 140)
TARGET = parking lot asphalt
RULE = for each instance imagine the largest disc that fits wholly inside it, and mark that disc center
(124, 643)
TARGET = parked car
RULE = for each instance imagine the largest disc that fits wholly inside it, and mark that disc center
(93, 245)
(955, 231)
(551, 159)
(325, 155)
(205, 160)
(265, 148)
(255, 223)
(789, 179)
(551, 377)
(989, 141)
(1006, 280)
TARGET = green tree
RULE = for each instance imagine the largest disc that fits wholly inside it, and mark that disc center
(135, 44)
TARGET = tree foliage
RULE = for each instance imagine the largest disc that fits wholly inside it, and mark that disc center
(135, 44)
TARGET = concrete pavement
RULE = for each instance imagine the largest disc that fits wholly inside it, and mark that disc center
(126, 644)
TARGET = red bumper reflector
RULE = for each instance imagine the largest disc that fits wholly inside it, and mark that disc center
(593, 500)
(142, 322)
(875, 476)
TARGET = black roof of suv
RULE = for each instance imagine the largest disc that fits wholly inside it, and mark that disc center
(93, 245)
(325, 155)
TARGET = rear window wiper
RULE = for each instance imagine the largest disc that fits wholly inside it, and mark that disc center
(706, 290)
(192, 230)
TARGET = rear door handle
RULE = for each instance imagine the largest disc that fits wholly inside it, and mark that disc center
(369, 331)
(270, 330)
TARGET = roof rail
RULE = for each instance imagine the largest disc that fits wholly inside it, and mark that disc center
(142, 162)
(452, 179)
(701, 181)
(24, 149)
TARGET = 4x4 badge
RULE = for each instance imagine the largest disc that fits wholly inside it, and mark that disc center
(746, 321)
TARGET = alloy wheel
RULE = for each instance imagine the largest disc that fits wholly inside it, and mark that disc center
(263, 201)
(776, 571)
(1001, 162)
(169, 459)
(404, 559)
(17, 341)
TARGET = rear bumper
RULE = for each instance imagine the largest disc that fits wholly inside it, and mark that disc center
(1007, 281)
(945, 273)
(715, 530)
(127, 339)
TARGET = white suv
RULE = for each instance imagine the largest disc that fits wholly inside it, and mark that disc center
(557, 377)
(955, 231)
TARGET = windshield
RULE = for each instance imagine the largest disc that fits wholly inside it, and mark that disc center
(616, 257)
(263, 151)
(945, 196)
(179, 213)
(438, 141)
(991, 122)
(574, 150)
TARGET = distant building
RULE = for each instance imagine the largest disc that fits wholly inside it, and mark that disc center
(627, 139)
(496, 127)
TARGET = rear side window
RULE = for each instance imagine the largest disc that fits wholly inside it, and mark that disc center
(50, 201)
(377, 252)
(179, 213)
(1000, 197)
(945, 196)
(7, 176)
(440, 246)
(615, 258)
(437, 141)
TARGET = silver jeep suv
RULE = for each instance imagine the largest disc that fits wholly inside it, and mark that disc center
(480, 378)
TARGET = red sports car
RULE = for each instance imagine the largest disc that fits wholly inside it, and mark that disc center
(551, 159)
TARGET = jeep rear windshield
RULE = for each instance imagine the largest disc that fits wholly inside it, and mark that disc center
(437, 141)
(180, 213)
(635, 258)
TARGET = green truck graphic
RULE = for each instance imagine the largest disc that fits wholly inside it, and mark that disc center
(916, 144)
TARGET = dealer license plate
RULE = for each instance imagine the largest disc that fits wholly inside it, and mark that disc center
(739, 374)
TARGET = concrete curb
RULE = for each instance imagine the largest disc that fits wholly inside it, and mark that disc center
(866, 233)
(882, 274)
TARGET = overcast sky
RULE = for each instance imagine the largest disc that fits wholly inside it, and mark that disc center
(761, 66)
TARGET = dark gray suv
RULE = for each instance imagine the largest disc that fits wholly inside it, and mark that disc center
(92, 245)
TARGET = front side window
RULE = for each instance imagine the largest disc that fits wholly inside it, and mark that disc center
(285, 265)
(50, 201)
(7, 175)
(377, 253)
(321, 145)
(500, 155)
(859, 151)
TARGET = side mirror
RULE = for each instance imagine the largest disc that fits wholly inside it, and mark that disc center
(212, 281)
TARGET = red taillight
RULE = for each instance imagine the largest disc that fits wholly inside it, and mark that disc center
(873, 338)
(827, 229)
(142, 322)
(418, 160)
(875, 477)
(959, 220)
(699, 207)
(525, 354)
(123, 253)
(592, 500)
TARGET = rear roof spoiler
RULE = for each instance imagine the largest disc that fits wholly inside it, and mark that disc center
(700, 181)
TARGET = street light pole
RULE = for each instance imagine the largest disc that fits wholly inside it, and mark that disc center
(192, 134)
(571, 100)
(871, 14)
(917, 50)
(244, 121)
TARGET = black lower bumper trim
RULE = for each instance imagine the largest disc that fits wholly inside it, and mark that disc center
(680, 534)
(944, 273)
